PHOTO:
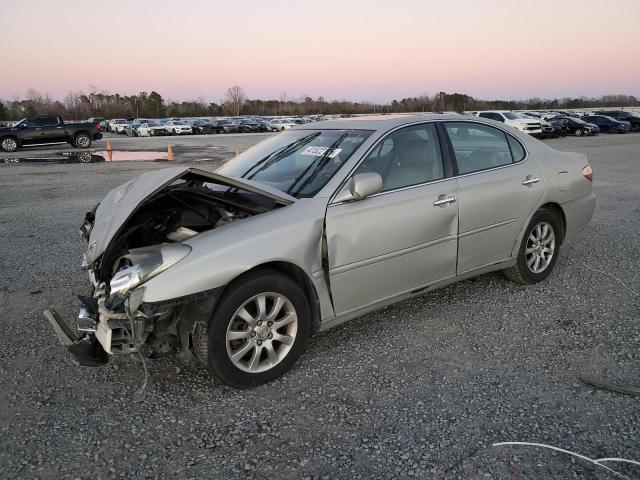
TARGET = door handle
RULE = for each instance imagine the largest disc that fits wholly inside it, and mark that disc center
(530, 180)
(444, 200)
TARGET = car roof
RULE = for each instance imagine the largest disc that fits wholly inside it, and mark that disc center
(380, 122)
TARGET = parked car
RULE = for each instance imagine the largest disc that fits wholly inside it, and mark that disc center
(45, 130)
(548, 130)
(151, 129)
(560, 127)
(242, 265)
(246, 125)
(608, 124)
(117, 125)
(267, 126)
(178, 127)
(624, 116)
(201, 127)
(225, 126)
(131, 129)
(530, 126)
(283, 124)
(579, 127)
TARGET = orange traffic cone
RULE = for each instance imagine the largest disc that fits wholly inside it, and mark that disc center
(109, 146)
(169, 152)
(110, 154)
(237, 152)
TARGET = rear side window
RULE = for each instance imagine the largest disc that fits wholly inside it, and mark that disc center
(49, 121)
(409, 156)
(480, 147)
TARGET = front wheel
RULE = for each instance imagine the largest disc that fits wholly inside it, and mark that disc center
(578, 132)
(538, 250)
(83, 141)
(613, 130)
(9, 144)
(257, 332)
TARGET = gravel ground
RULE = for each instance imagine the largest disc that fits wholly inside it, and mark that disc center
(420, 389)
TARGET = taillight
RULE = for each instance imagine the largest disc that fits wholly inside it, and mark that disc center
(98, 127)
(588, 173)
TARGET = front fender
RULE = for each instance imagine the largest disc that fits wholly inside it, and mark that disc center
(290, 234)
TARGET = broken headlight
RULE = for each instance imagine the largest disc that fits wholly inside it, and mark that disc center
(146, 263)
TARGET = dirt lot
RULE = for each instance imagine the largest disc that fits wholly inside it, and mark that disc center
(421, 389)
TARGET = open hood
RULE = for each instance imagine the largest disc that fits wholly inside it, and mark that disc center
(121, 202)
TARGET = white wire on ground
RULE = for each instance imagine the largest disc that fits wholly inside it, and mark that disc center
(598, 461)
(633, 292)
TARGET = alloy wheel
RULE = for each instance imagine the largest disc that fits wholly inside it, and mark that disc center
(541, 246)
(261, 332)
(83, 141)
(9, 145)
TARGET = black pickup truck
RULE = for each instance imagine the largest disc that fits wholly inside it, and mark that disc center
(44, 130)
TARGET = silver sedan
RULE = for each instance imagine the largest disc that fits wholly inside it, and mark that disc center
(315, 226)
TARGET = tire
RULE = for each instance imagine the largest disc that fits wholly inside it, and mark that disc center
(578, 132)
(82, 140)
(265, 358)
(546, 226)
(8, 144)
(614, 130)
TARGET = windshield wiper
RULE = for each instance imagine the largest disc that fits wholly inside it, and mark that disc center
(320, 163)
(277, 155)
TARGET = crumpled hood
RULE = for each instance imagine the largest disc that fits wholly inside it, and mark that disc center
(121, 202)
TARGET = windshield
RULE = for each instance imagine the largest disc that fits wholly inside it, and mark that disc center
(298, 162)
(153, 124)
(578, 121)
(511, 115)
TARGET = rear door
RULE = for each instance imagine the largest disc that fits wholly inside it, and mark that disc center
(402, 238)
(52, 130)
(499, 186)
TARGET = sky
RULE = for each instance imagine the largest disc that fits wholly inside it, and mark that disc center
(350, 49)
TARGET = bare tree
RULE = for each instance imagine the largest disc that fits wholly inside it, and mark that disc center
(235, 99)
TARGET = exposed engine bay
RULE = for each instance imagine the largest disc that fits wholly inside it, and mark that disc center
(112, 318)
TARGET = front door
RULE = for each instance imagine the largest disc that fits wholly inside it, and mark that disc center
(402, 238)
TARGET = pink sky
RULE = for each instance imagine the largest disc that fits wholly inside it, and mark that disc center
(355, 49)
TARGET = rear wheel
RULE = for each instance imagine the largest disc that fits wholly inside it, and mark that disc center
(539, 249)
(258, 330)
(83, 140)
(9, 144)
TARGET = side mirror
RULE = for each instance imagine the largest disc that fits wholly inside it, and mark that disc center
(361, 186)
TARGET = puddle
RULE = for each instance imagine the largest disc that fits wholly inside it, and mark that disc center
(90, 157)
(118, 156)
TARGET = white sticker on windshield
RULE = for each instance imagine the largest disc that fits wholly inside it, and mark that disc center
(319, 151)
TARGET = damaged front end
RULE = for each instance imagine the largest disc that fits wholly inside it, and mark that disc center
(137, 232)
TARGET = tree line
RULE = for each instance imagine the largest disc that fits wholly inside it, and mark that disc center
(77, 105)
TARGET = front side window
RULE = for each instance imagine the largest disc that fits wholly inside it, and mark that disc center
(297, 162)
(409, 156)
(479, 147)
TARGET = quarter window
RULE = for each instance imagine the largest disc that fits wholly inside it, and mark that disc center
(517, 151)
(479, 147)
(409, 156)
